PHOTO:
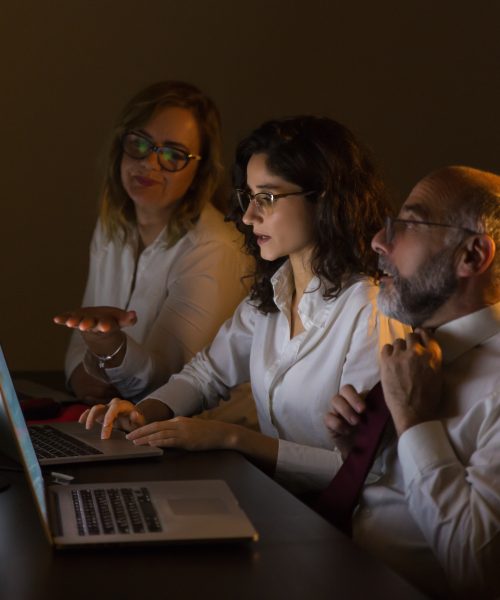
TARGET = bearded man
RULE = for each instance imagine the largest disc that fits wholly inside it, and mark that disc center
(430, 506)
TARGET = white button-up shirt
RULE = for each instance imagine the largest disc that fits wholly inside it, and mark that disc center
(182, 295)
(293, 380)
(433, 512)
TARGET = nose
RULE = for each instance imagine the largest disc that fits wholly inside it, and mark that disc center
(252, 214)
(379, 242)
(153, 161)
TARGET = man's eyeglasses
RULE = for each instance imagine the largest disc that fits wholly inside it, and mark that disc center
(394, 226)
(171, 159)
(263, 200)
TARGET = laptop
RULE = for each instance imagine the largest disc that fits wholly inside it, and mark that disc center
(60, 443)
(138, 513)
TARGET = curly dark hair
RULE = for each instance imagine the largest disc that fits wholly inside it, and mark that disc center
(317, 153)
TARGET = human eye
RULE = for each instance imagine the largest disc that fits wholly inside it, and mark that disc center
(264, 199)
(406, 224)
(172, 156)
(137, 145)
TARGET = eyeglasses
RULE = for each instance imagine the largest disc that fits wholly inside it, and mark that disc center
(393, 226)
(171, 159)
(263, 200)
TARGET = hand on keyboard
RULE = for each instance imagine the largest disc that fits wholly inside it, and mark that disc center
(119, 413)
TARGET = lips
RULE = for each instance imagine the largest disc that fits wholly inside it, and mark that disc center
(261, 238)
(386, 270)
(145, 181)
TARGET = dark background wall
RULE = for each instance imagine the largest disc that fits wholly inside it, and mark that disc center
(418, 81)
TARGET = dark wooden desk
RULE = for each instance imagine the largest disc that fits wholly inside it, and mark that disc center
(298, 556)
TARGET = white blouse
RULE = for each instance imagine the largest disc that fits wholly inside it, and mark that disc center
(181, 296)
(294, 379)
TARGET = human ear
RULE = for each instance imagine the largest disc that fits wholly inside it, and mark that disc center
(476, 256)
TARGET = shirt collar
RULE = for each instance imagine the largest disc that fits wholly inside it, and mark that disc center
(460, 335)
(313, 308)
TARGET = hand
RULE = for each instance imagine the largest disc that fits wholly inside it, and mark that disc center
(346, 406)
(119, 413)
(100, 327)
(411, 379)
(187, 433)
(89, 389)
(97, 319)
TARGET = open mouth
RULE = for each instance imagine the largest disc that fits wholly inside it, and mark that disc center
(262, 239)
(385, 271)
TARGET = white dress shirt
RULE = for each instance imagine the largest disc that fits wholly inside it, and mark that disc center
(432, 509)
(293, 380)
(181, 296)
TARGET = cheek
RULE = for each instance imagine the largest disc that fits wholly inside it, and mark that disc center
(183, 180)
(409, 260)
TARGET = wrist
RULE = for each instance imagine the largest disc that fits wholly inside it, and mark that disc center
(154, 410)
(109, 351)
(233, 437)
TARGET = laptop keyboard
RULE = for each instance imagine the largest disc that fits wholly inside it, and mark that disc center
(52, 443)
(114, 510)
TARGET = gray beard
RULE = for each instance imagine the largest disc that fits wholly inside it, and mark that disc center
(415, 299)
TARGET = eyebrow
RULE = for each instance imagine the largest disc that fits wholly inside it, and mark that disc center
(416, 210)
(170, 143)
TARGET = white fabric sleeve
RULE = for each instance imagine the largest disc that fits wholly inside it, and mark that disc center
(77, 348)
(454, 500)
(204, 291)
(213, 371)
(304, 468)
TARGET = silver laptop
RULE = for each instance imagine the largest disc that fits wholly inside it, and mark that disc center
(122, 513)
(60, 443)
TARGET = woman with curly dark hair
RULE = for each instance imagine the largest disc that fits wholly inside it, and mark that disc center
(308, 201)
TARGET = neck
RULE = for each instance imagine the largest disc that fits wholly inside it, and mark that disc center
(302, 274)
(466, 300)
(150, 224)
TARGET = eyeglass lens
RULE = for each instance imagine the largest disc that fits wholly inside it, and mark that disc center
(138, 147)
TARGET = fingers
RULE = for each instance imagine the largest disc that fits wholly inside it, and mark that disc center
(159, 433)
(127, 319)
(92, 415)
(116, 408)
(337, 425)
(96, 318)
(345, 411)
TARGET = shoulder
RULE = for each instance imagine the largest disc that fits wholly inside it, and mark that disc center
(359, 291)
(212, 229)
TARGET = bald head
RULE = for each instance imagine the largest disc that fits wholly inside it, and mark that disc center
(467, 197)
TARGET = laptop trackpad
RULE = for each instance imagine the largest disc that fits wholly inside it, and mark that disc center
(197, 506)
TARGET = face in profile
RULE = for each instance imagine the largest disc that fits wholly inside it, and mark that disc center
(152, 188)
(418, 263)
(283, 227)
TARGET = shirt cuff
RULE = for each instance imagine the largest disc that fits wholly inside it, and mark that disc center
(304, 468)
(180, 396)
(423, 447)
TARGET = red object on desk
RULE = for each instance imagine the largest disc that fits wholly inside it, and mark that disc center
(46, 410)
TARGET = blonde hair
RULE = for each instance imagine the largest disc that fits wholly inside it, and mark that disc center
(117, 212)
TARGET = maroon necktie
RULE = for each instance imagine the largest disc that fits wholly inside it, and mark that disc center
(338, 501)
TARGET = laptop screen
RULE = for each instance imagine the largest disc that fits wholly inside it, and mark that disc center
(15, 440)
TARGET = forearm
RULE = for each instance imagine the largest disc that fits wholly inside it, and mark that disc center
(455, 505)
(260, 449)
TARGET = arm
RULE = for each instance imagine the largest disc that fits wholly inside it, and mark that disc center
(207, 377)
(202, 292)
(453, 498)
(82, 384)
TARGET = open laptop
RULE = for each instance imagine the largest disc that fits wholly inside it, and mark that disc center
(60, 443)
(121, 513)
